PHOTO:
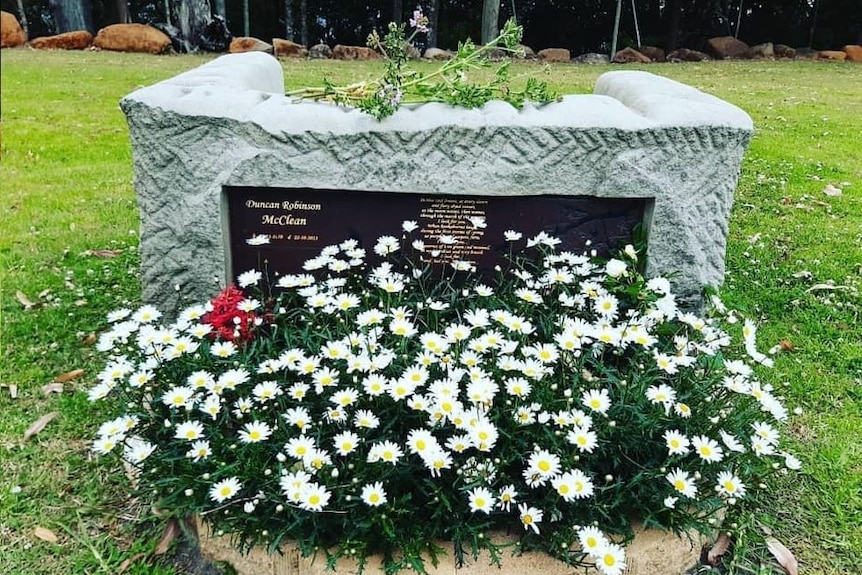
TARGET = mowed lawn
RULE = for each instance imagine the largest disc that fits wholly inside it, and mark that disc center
(68, 241)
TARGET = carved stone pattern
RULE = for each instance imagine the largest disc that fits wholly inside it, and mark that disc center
(181, 163)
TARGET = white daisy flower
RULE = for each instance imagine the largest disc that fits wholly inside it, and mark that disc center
(225, 489)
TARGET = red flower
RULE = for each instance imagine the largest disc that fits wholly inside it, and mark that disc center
(228, 321)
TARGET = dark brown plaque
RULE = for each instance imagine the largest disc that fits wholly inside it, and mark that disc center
(299, 222)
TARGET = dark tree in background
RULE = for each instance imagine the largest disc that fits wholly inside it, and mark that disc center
(579, 25)
(71, 15)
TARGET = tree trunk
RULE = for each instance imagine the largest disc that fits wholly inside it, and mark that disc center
(490, 17)
(245, 22)
(192, 18)
(23, 17)
(289, 26)
(433, 20)
(303, 21)
(674, 8)
(72, 15)
(123, 15)
(220, 9)
(397, 11)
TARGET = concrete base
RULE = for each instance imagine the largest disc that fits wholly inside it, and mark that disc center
(652, 552)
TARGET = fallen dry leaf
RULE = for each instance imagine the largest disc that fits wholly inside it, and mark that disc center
(68, 376)
(45, 535)
(783, 555)
(719, 549)
(89, 339)
(24, 300)
(172, 530)
(803, 275)
(80, 302)
(832, 191)
(52, 388)
(754, 239)
(786, 345)
(821, 287)
(128, 562)
(103, 253)
(13, 389)
(44, 293)
(40, 424)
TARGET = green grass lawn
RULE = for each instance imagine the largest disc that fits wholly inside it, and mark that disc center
(68, 244)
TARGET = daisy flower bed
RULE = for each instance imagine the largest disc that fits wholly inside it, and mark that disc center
(374, 404)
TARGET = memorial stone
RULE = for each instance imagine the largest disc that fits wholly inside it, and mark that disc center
(651, 149)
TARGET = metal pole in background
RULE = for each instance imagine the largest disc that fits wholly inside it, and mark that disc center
(637, 28)
(616, 29)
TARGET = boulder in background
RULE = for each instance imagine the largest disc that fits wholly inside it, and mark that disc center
(727, 48)
(686, 55)
(784, 51)
(763, 51)
(287, 49)
(249, 44)
(320, 52)
(11, 33)
(835, 55)
(437, 54)
(592, 58)
(630, 56)
(555, 55)
(854, 52)
(77, 40)
(132, 38)
(654, 53)
(342, 52)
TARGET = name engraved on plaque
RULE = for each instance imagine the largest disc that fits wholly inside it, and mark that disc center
(299, 222)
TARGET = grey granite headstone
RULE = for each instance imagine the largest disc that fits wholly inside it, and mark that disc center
(228, 123)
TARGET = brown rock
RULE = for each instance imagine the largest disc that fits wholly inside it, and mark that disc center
(132, 38)
(630, 56)
(727, 48)
(686, 55)
(77, 40)
(784, 51)
(320, 52)
(249, 44)
(287, 49)
(11, 34)
(836, 55)
(854, 52)
(555, 55)
(341, 52)
(763, 51)
(653, 53)
(437, 54)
